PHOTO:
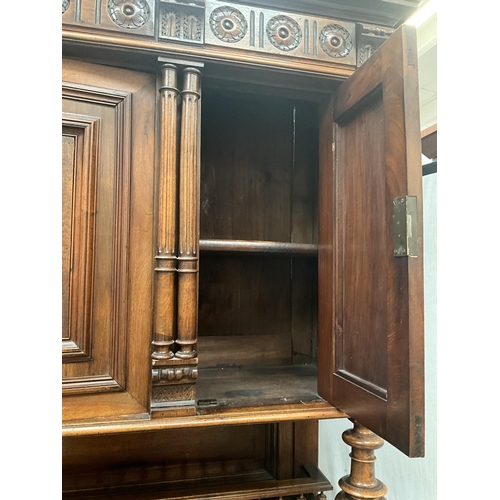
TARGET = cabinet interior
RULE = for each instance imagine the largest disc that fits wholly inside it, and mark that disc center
(258, 250)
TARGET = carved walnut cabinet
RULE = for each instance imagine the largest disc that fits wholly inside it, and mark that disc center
(242, 251)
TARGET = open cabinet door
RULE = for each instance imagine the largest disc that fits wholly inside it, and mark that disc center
(371, 338)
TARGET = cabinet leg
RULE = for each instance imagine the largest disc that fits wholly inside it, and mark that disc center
(361, 483)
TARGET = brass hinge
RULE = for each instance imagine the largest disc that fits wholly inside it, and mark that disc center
(405, 227)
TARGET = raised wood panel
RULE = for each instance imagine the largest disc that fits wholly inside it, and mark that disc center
(79, 150)
(121, 106)
(245, 189)
(107, 280)
(366, 250)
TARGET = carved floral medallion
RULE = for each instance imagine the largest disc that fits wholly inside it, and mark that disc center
(284, 33)
(335, 40)
(228, 24)
(130, 14)
(65, 5)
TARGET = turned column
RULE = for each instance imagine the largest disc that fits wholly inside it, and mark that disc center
(165, 259)
(189, 195)
(174, 361)
(361, 483)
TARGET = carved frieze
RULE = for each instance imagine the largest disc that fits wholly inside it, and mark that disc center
(128, 16)
(230, 25)
(279, 32)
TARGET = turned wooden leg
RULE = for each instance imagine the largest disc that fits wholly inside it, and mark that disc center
(361, 483)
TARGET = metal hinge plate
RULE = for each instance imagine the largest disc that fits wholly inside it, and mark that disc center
(405, 226)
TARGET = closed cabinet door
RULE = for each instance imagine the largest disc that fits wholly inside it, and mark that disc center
(108, 150)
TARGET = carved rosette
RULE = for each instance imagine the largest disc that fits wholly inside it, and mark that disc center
(228, 24)
(130, 14)
(170, 24)
(65, 5)
(284, 33)
(335, 40)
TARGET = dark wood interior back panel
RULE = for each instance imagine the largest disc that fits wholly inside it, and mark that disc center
(259, 169)
(258, 297)
(244, 295)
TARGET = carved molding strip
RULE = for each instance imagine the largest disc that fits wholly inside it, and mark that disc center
(278, 32)
(90, 385)
(169, 375)
(173, 395)
(370, 38)
(194, 3)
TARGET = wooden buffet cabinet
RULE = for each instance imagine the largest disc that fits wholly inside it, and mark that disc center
(240, 265)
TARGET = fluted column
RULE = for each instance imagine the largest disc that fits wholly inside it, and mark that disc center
(174, 361)
(189, 218)
(361, 483)
(165, 259)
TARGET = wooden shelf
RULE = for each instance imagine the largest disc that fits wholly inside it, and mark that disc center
(219, 389)
(314, 410)
(260, 247)
(248, 489)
